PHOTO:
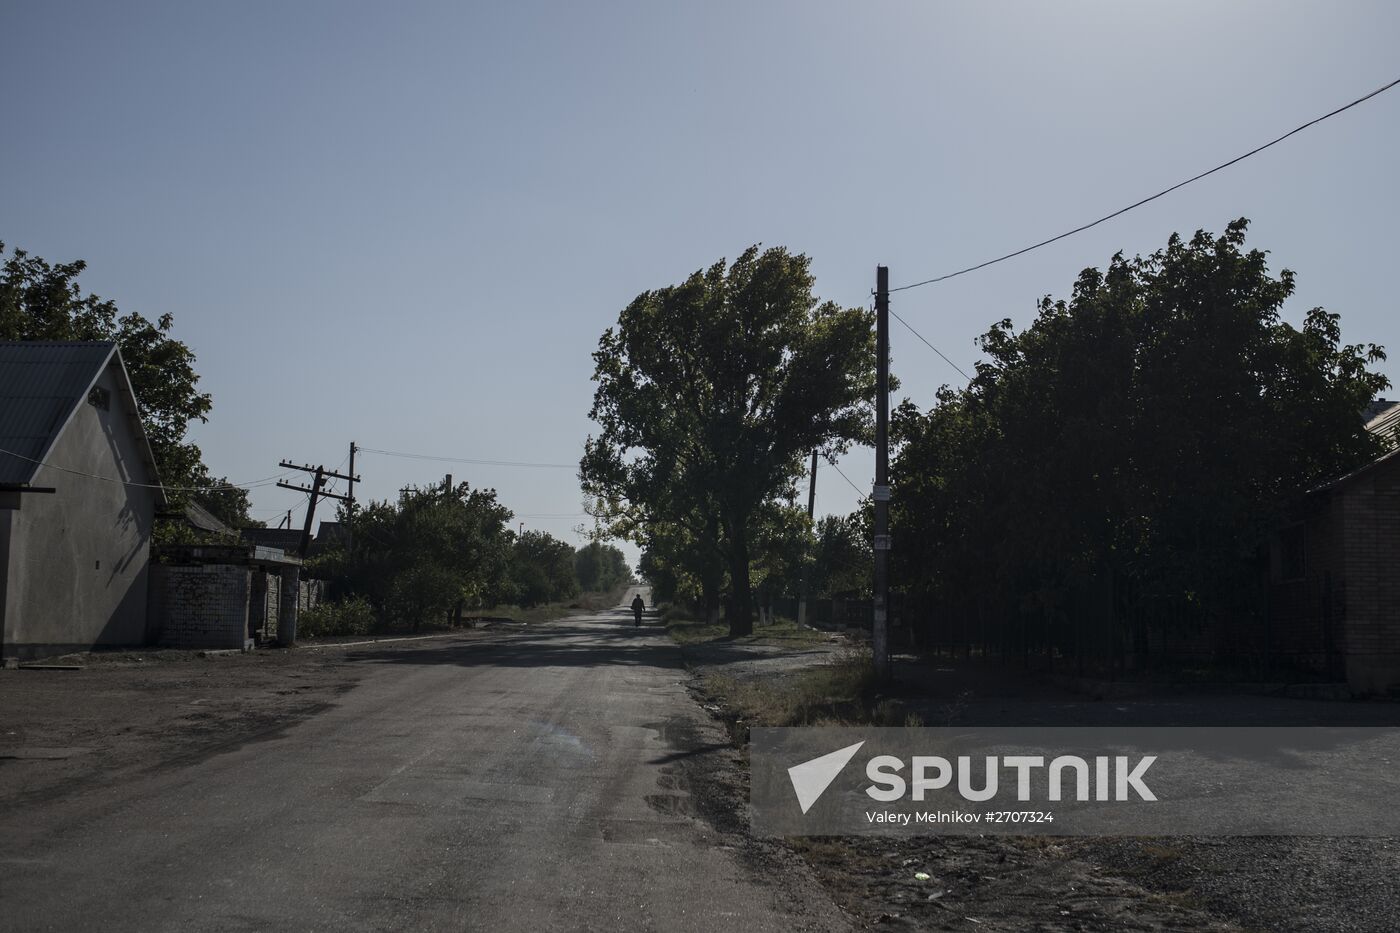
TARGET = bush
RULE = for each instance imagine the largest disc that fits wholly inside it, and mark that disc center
(354, 616)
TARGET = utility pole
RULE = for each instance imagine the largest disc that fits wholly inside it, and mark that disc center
(880, 636)
(806, 563)
(311, 511)
(350, 500)
(350, 483)
(321, 473)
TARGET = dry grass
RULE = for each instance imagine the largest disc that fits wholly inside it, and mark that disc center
(784, 633)
(834, 694)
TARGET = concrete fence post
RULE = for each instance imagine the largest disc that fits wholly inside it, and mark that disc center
(289, 603)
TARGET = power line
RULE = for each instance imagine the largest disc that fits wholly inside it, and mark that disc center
(265, 481)
(858, 490)
(506, 463)
(1164, 191)
(929, 345)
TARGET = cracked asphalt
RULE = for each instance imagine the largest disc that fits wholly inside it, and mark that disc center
(537, 778)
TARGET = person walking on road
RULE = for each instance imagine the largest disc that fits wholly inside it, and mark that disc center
(638, 604)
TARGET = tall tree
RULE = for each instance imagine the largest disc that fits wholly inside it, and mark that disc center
(600, 567)
(715, 391)
(43, 301)
(542, 569)
(1151, 429)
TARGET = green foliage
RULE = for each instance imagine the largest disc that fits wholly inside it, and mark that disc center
(601, 568)
(43, 301)
(167, 532)
(542, 570)
(439, 551)
(843, 562)
(353, 616)
(710, 396)
(421, 559)
(1151, 430)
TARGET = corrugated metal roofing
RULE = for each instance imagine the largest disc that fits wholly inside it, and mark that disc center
(40, 385)
(1386, 420)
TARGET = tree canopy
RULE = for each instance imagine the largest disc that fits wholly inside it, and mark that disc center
(601, 568)
(711, 393)
(1153, 427)
(43, 301)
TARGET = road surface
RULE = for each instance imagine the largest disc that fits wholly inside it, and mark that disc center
(535, 780)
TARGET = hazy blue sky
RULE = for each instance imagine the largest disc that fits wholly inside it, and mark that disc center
(407, 224)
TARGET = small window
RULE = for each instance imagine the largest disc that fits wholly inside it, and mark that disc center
(1290, 554)
(100, 398)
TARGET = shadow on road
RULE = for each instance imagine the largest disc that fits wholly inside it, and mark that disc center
(604, 639)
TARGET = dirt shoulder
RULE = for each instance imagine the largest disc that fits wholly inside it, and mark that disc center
(123, 713)
(1045, 883)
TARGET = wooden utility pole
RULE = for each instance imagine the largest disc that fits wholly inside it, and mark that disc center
(321, 473)
(880, 636)
(350, 487)
(350, 499)
(806, 562)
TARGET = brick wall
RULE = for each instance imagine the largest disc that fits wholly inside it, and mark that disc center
(1371, 506)
(311, 594)
(200, 607)
(264, 603)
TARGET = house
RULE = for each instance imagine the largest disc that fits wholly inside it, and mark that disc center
(1334, 590)
(78, 494)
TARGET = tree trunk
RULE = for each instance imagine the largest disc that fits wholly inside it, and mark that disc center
(709, 593)
(740, 596)
(712, 573)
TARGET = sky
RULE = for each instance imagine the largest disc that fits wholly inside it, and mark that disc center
(406, 225)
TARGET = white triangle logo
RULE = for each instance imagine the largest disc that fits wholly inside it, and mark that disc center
(811, 778)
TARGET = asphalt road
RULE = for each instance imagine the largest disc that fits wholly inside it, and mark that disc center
(535, 780)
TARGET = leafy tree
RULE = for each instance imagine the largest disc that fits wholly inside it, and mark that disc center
(711, 394)
(600, 567)
(1152, 430)
(43, 301)
(428, 555)
(542, 569)
(843, 561)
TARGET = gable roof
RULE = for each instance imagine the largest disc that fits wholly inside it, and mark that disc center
(42, 383)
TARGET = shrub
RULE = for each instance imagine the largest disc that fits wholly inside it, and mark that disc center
(354, 616)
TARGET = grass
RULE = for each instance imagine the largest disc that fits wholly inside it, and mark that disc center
(684, 629)
(587, 602)
(835, 694)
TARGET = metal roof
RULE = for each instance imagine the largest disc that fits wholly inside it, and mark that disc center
(288, 539)
(1386, 419)
(41, 384)
(200, 517)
